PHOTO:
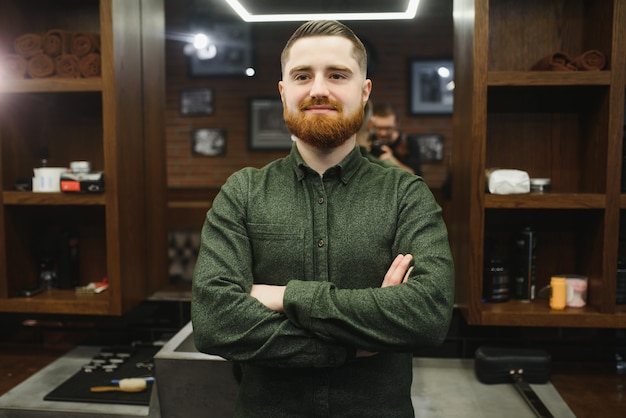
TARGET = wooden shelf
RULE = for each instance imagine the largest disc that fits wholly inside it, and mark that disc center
(52, 199)
(562, 125)
(546, 201)
(59, 302)
(548, 78)
(115, 121)
(538, 313)
(51, 85)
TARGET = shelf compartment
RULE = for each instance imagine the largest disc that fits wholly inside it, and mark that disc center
(547, 26)
(26, 228)
(39, 16)
(60, 127)
(568, 242)
(550, 132)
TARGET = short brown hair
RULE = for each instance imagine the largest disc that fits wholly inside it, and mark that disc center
(327, 28)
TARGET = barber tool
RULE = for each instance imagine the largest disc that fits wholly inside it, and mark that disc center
(125, 385)
(517, 366)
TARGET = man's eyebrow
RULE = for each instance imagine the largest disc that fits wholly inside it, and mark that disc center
(300, 68)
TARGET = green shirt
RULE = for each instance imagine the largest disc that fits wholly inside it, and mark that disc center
(331, 240)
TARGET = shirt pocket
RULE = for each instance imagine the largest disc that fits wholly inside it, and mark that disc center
(277, 252)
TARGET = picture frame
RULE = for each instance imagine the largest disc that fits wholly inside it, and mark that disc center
(229, 51)
(196, 102)
(267, 125)
(208, 142)
(429, 147)
(431, 86)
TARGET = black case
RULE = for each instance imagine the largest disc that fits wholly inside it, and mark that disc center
(495, 364)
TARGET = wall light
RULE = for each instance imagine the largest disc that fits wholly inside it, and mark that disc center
(409, 13)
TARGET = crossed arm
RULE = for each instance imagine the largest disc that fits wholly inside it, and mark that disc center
(272, 296)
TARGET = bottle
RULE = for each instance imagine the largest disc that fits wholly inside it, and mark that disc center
(496, 281)
(525, 268)
(558, 293)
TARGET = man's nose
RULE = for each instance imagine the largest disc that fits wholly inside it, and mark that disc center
(319, 88)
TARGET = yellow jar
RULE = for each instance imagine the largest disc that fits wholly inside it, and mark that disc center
(558, 294)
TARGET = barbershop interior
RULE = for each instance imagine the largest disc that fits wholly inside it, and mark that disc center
(120, 120)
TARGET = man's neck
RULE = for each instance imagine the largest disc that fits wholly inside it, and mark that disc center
(321, 160)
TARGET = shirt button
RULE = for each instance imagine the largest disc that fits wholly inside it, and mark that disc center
(320, 200)
(320, 243)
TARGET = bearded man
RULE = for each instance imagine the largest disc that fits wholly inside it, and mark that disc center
(299, 279)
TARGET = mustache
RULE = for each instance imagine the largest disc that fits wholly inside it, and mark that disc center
(320, 102)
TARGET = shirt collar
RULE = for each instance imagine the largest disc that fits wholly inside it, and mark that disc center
(345, 169)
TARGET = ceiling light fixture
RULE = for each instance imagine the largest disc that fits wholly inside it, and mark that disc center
(409, 13)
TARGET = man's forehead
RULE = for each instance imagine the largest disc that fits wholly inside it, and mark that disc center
(329, 46)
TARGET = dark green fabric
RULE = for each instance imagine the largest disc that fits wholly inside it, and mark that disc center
(330, 240)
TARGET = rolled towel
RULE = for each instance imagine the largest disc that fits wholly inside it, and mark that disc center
(84, 43)
(56, 42)
(40, 66)
(67, 66)
(12, 66)
(90, 65)
(27, 45)
(557, 61)
(592, 60)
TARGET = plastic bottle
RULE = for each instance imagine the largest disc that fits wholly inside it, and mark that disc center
(558, 294)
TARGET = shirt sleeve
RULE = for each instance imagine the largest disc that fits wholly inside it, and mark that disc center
(406, 317)
(226, 320)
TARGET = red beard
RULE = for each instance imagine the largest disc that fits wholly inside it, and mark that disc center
(323, 131)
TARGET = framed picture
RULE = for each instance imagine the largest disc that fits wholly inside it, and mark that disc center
(267, 126)
(208, 142)
(228, 51)
(196, 102)
(429, 147)
(432, 87)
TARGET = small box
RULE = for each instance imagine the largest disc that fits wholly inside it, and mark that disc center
(82, 182)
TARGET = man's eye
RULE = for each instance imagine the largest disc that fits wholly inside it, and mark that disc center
(300, 77)
(337, 76)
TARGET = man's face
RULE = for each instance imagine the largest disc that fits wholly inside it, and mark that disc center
(323, 91)
(384, 128)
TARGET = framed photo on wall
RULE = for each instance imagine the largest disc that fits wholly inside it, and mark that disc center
(228, 51)
(429, 147)
(267, 126)
(208, 142)
(432, 87)
(196, 102)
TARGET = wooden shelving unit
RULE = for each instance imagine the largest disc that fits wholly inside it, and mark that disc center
(566, 126)
(114, 121)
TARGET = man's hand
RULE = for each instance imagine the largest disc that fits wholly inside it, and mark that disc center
(399, 271)
(268, 295)
(387, 155)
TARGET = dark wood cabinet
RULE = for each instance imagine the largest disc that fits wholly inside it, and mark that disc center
(562, 125)
(114, 120)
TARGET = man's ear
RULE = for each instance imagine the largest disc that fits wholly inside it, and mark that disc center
(367, 89)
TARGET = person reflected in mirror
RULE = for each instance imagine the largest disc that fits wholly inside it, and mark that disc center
(364, 139)
(389, 143)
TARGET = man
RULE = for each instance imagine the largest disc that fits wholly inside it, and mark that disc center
(364, 139)
(300, 279)
(393, 145)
